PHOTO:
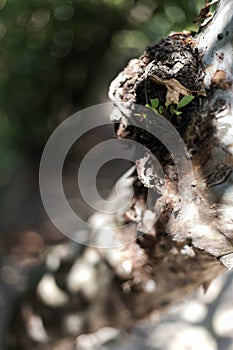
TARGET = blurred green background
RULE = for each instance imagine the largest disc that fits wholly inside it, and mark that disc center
(57, 57)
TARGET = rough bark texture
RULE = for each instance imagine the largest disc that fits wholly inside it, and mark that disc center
(160, 267)
(197, 246)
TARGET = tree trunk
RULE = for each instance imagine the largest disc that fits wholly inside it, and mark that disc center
(198, 244)
(191, 242)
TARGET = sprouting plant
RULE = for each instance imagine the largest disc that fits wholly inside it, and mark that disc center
(173, 108)
(182, 103)
(154, 104)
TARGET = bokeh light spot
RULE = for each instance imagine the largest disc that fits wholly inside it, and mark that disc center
(40, 18)
(175, 14)
(157, 26)
(140, 13)
(130, 39)
(2, 4)
(63, 12)
(119, 3)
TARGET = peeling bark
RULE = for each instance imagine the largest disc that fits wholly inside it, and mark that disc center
(196, 248)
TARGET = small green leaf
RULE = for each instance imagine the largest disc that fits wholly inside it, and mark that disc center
(160, 109)
(154, 102)
(185, 101)
(153, 109)
(177, 112)
(172, 109)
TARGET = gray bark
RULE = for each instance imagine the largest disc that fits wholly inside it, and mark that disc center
(201, 242)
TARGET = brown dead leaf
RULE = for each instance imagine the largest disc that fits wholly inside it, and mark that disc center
(174, 88)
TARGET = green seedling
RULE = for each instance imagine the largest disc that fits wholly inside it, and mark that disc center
(154, 104)
(182, 103)
(173, 109)
(161, 109)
